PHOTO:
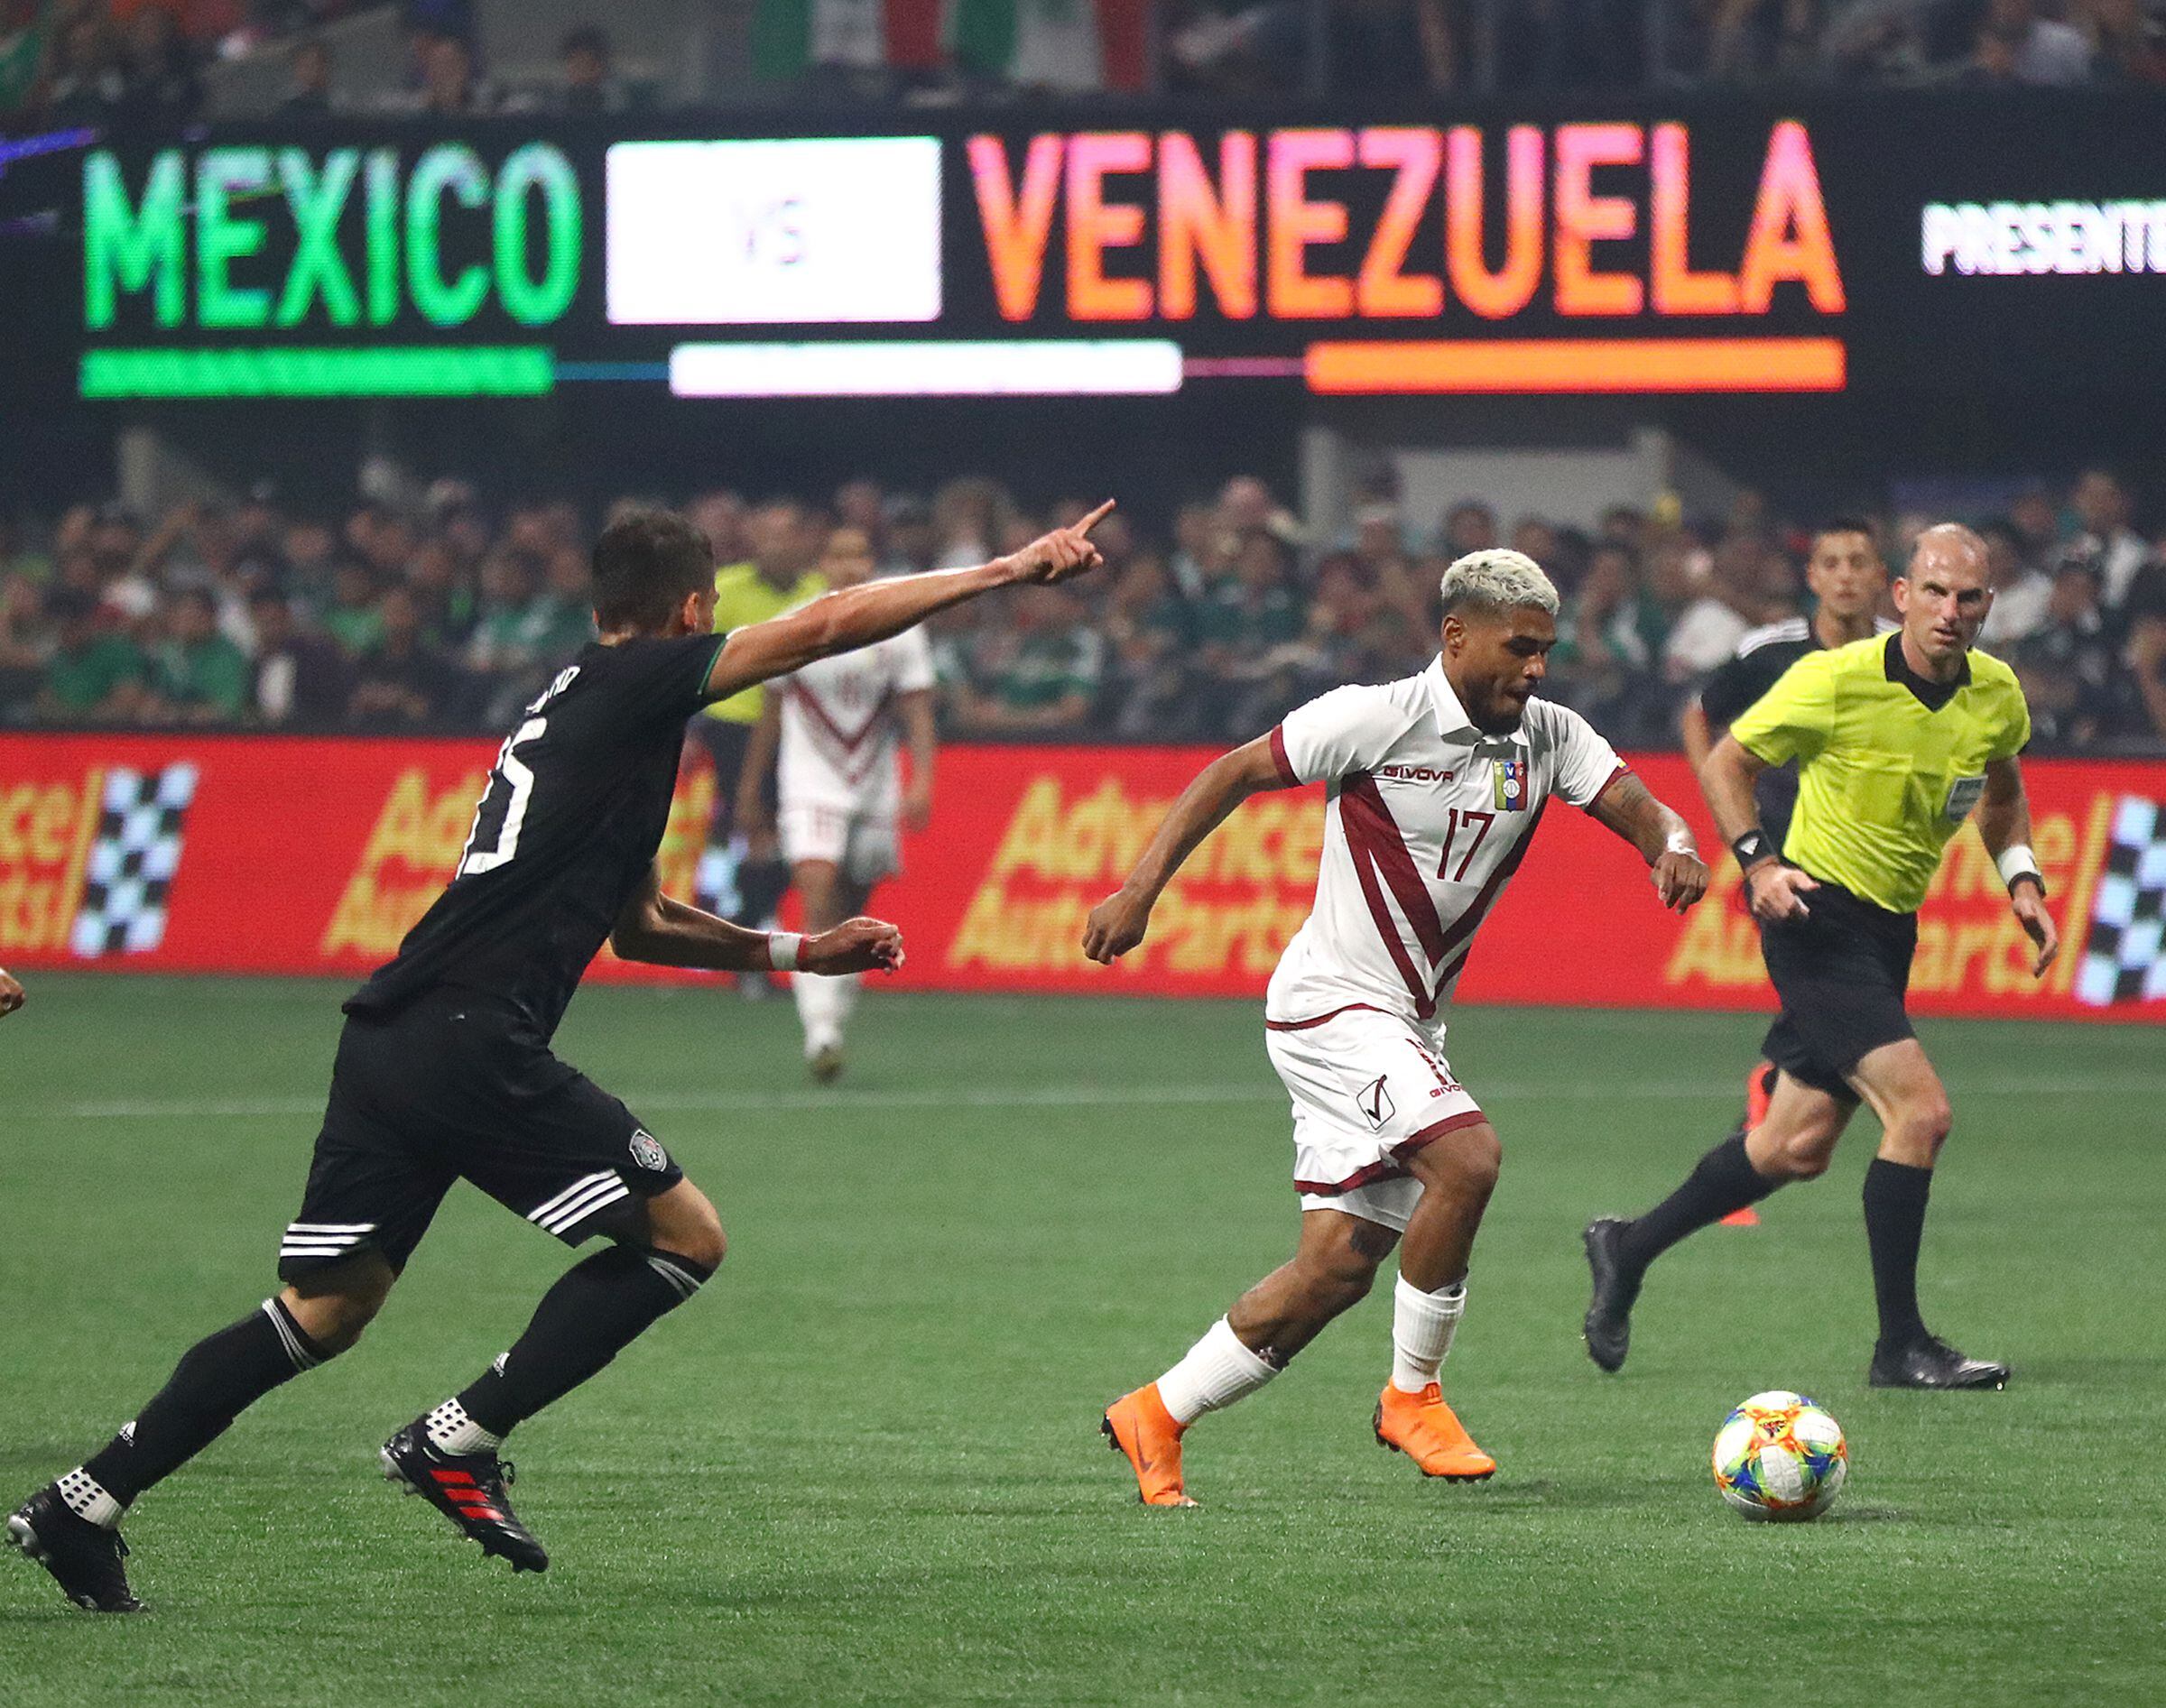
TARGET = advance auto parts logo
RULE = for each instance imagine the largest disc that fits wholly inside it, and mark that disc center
(1233, 908)
(87, 863)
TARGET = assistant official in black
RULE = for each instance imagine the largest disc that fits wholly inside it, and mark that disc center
(444, 1070)
(1848, 579)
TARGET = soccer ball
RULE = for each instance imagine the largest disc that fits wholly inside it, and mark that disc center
(1780, 1456)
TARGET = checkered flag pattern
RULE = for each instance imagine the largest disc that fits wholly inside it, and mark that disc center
(132, 861)
(2122, 962)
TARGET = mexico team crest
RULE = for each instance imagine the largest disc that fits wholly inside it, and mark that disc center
(1511, 785)
(647, 1151)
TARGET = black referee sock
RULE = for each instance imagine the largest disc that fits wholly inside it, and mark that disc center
(596, 1309)
(1895, 1196)
(1724, 1180)
(216, 1380)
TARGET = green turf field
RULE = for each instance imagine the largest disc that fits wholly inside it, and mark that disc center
(865, 1465)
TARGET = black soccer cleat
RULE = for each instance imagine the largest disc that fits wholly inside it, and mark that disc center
(83, 1558)
(468, 1488)
(1931, 1363)
(1609, 1313)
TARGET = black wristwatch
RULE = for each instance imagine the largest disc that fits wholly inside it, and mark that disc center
(1752, 848)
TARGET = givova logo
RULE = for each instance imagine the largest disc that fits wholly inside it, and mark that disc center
(2122, 962)
(140, 824)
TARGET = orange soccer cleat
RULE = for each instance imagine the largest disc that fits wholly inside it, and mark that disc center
(1424, 1428)
(1139, 1425)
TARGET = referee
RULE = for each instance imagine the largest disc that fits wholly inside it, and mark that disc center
(1848, 578)
(1898, 740)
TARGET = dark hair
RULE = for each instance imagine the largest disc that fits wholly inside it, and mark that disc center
(644, 564)
(588, 36)
(1846, 525)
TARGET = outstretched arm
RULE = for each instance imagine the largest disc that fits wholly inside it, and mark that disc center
(1664, 840)
(858, 616)
(2004, 825)
(1118, 923)
(663, 931)
(11, 993)
(1774, 889)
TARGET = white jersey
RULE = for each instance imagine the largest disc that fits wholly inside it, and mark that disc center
(1428, 819)
(840, 729)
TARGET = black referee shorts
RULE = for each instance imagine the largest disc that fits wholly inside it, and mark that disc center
(1842, 974)
(452, 1089)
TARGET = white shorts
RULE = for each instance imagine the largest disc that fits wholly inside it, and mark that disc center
(1369, 1090)
(861, 842)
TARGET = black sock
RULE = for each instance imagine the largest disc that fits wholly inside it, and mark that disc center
(1895, 1194)
(1724, 1180)
(596, 1309)
(216, 1380)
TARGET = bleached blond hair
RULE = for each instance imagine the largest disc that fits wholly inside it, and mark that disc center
(1498, 579)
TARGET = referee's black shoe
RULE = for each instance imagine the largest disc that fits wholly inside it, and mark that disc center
(468, 1488)
(1609, 1315)
(83, 1558)
(1930, 1362)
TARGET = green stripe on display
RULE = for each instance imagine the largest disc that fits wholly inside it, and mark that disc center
(506, 370)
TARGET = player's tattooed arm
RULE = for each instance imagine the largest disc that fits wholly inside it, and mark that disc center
(662, 931)
(2004, 828)
(752, 817)
(11, 992)
(852, 617)
(1661, 836)
(919, 727)
(1118, 923)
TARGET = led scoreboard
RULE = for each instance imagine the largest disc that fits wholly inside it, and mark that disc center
(1940, 243)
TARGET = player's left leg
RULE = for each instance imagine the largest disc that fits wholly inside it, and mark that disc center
(1905, 1091)
(824, 1005)
(1457, 1171)
(663, 1250)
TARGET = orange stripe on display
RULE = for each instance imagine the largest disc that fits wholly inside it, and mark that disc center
(1577, 365)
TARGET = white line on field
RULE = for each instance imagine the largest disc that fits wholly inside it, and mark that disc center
(1062, 1097)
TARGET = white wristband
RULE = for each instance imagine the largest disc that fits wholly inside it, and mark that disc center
(2019, 862)
(782, 950)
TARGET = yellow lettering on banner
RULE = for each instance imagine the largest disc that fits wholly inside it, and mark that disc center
(2076, 908)
(421, 830)
(46, 829)
(1033, 833)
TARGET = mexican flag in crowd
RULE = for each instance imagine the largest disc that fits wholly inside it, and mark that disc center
(1057, 44)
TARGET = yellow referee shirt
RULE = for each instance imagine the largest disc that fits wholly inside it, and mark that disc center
(1890, 763)
(742, 596)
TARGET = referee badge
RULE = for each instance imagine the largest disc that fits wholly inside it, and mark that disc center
(647, 1151)
(1511, 785)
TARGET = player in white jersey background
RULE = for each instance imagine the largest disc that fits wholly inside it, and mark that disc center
(834, 731)
(1436, 782)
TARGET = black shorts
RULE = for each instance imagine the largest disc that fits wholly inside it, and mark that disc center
(451, 1088)
(1842, 974)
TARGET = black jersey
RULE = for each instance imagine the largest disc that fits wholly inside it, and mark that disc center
(565, 834)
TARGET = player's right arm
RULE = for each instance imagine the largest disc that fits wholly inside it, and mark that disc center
(11, 993)
(1118, 923)
(852, 617)
(662, 931)
(751, 805)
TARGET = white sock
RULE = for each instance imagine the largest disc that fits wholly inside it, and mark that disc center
(88, 1498)
(1423, 1325)
(823, 1008)
(1218, 1370)
(450, 1430)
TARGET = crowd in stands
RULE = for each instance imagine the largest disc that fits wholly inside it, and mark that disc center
(86, 62)
(1206, 625)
